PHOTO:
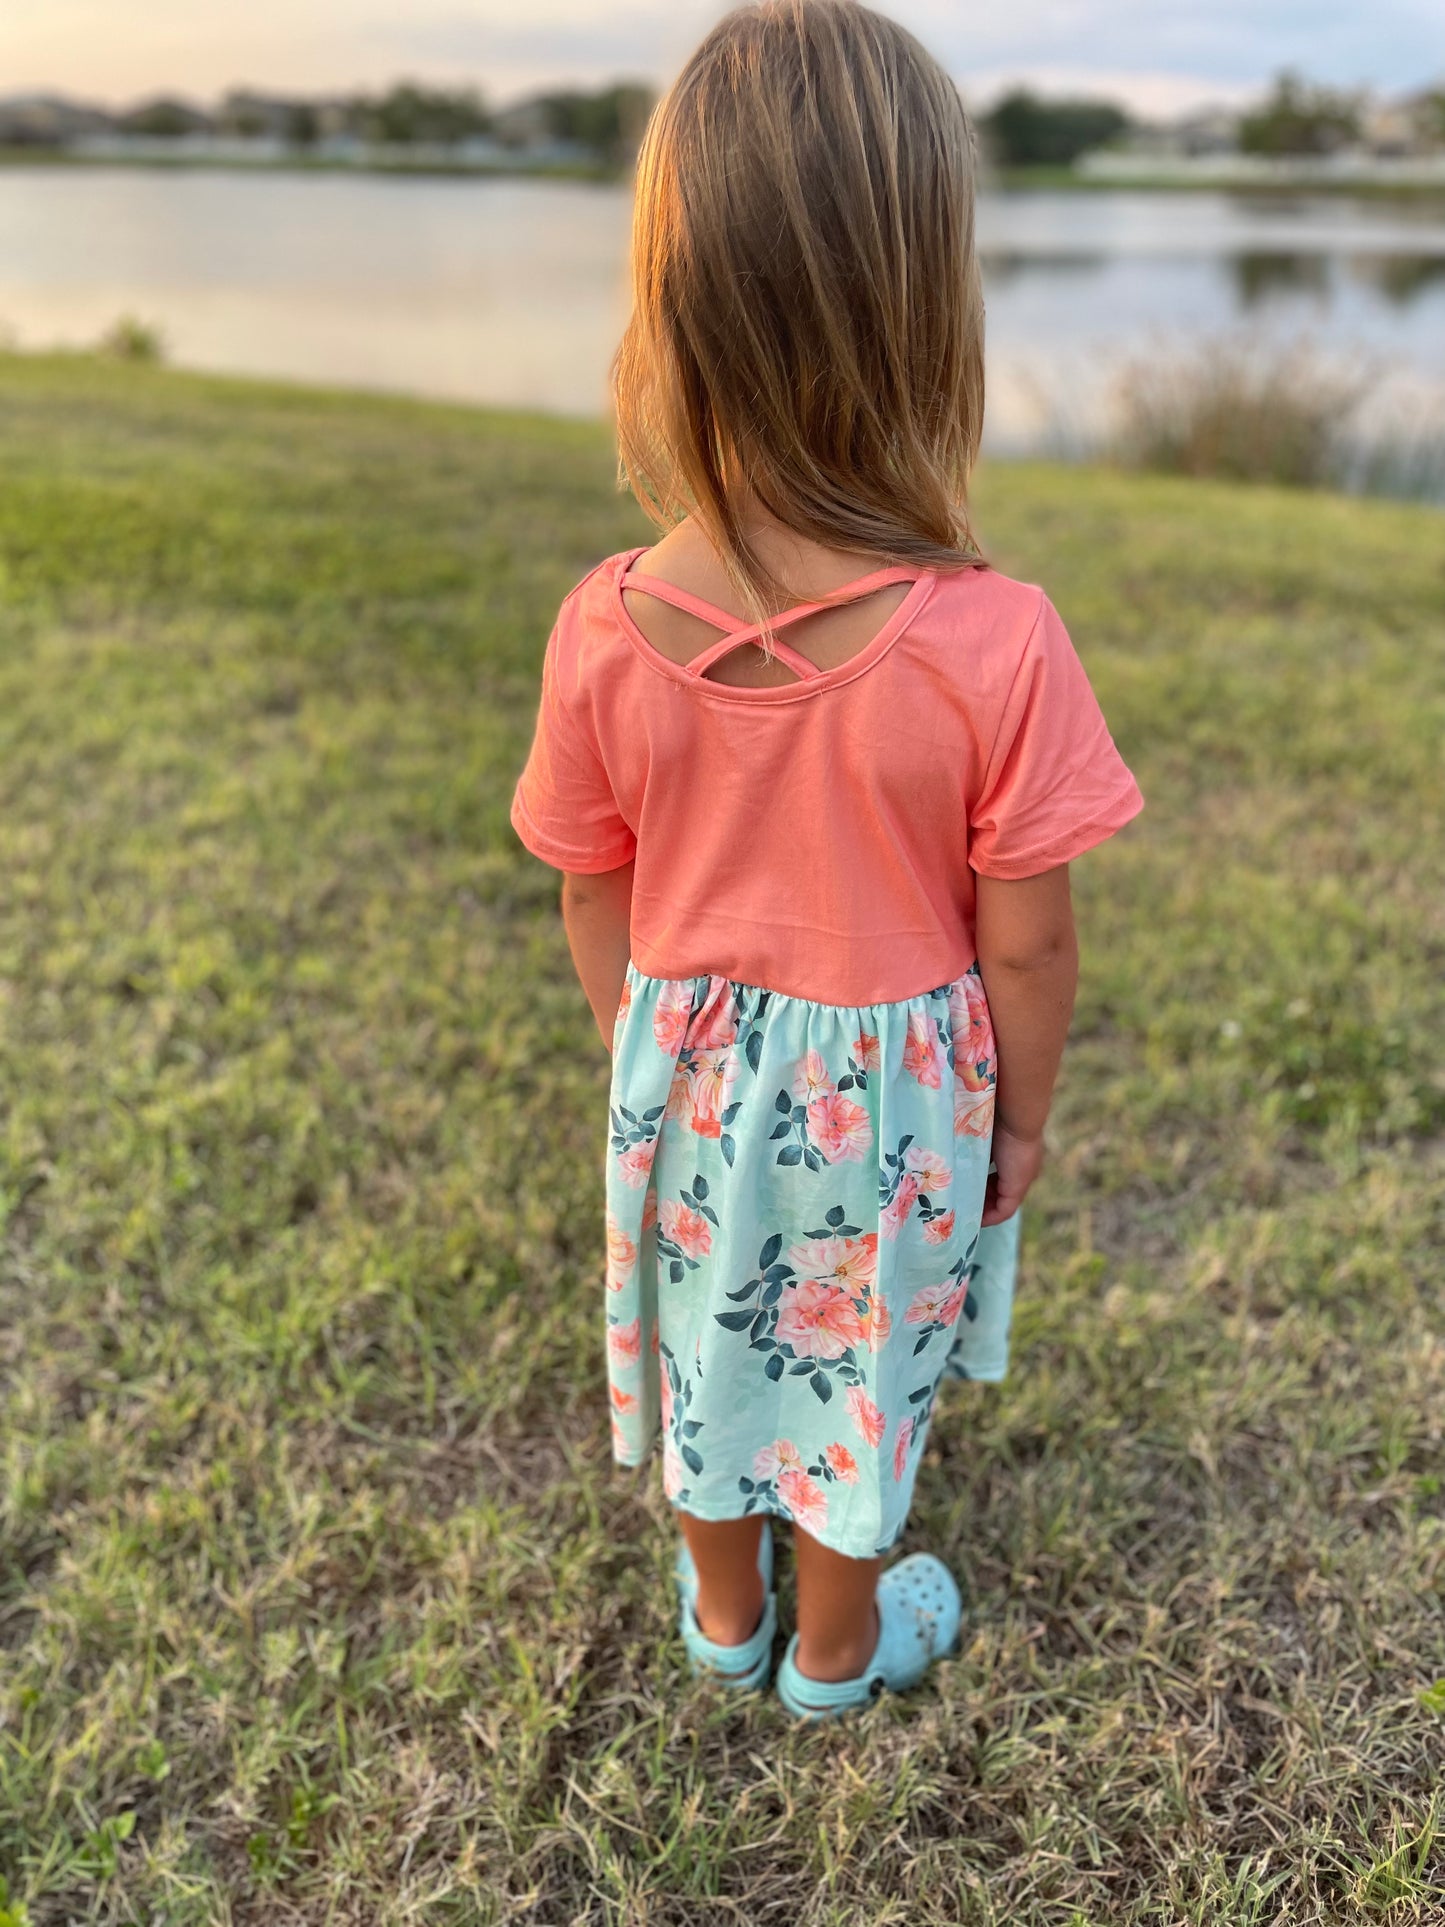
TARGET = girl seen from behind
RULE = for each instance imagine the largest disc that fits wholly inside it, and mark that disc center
(814, 773)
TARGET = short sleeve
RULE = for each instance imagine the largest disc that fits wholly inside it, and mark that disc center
(564, 808)
(1054, 784)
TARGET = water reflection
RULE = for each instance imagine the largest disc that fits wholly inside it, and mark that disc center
(1001, 266)
(1400, 278)
(1261, 276)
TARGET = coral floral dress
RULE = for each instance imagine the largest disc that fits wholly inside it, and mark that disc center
(803, 1063)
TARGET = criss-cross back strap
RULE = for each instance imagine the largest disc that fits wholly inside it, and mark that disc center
(736, 634)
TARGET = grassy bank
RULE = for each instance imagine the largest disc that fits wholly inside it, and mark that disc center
(319, 1601)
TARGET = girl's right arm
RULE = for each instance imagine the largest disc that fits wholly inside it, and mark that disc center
(1028, 957)
(597, 912)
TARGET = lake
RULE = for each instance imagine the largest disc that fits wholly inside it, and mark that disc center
(512, 291)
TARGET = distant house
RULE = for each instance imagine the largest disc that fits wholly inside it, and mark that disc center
(1387, 128)
(1203, 135)
(527, 130)
(45, 120)
(1211, 130)
(248, 115)
(527, 123)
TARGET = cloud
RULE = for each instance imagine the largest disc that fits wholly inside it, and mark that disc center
(1167, 54)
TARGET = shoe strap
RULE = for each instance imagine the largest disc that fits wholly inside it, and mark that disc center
(731, 1659)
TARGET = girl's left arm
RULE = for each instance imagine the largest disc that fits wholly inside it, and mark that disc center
(597, 912)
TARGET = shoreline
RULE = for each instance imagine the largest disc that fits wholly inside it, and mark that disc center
(600, 173)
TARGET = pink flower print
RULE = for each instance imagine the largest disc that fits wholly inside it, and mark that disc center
(839, 1128)
(689, 1230)
(926, 1307)
(621, 1255)
(672, 1474)
(865, 1415)
(922, 1057)
(781, 1456)
(670, 1016)
(679, 1094)
(805, 1500)
(619, 1437)
(817, 1320)
(711, 1077)
(974, 1066)
(649, 1211)
(666, 1384)
(635, 1163)
(811, 1079)
(877, 1323)
(624, 1342)
(842, 1463)
(901, 1443)
(624, 1002)
(856, 1265)
(939, 1230)
(865, 1051)
(953, 1304)
(623, 1401)
(716, 1023)
(894, 1214)
(851, 1263)
(931, 1168)
(972, 1026)
(972, 1110)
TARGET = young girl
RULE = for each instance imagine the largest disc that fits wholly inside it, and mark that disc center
(814, 773)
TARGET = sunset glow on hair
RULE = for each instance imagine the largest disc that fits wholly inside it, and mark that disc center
(807, 324)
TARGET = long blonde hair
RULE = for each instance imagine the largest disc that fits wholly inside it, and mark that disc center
(807, 320)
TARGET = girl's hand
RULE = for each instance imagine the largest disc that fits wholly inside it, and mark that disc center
(1019, 1161)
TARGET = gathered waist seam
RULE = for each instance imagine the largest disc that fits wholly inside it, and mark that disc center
(743, 990)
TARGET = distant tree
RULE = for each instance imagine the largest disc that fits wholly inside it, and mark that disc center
(1024, 131)
(303, 125)
(1428, 115)
(1297, 119)
(409, 113)
(165, 120)
(611, 122)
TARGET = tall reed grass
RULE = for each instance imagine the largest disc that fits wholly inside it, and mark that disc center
(1243, 410)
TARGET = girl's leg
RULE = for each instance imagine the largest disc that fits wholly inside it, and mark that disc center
(837, 1616)
(729, 1585)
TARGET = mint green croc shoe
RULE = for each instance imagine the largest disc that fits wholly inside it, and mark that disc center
(749, 1665)
(919, 1614)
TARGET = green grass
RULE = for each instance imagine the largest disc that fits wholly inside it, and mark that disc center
(319, 1600)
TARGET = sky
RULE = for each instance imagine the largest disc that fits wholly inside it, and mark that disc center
(1156, 56)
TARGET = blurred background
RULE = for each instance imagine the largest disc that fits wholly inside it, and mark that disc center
(438, 204)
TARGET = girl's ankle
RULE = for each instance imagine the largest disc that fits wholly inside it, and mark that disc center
(735, 1621)
(840, 1659)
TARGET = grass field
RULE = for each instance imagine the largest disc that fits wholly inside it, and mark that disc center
(319, 1600)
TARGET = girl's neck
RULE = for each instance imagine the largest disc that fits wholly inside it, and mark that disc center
(808, 570)
(685, 558)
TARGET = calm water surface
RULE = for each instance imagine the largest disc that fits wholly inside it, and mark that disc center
(513, 291)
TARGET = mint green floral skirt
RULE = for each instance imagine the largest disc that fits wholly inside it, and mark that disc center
(794, 1257)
